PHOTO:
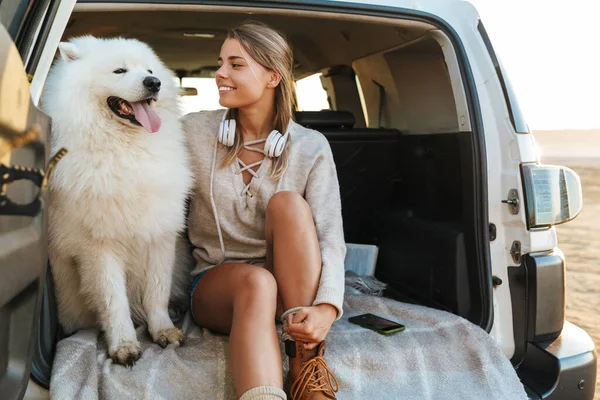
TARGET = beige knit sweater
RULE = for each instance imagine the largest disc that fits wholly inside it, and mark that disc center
(239, 235)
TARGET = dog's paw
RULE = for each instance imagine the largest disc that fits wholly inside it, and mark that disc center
(127, 353)
(170, 335)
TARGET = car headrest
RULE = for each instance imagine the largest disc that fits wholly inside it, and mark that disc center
(325, 119)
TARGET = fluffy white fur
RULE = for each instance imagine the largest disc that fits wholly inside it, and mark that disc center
(117, 199)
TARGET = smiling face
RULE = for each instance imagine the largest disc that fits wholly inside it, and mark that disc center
(133, 90)
(138, 112)
(124, 76)
(241, 80)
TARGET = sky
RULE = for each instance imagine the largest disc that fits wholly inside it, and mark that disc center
(551, 52)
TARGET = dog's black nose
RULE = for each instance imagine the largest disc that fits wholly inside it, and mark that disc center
(152, 83)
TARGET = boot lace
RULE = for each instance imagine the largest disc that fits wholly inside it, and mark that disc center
(311, 379)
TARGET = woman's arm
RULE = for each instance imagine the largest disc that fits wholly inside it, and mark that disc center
(323, 196)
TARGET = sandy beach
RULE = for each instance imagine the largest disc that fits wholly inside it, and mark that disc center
(580, 238)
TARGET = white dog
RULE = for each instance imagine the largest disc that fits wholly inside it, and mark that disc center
(117, 199)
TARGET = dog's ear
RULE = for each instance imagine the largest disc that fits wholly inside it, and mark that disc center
(68, 51)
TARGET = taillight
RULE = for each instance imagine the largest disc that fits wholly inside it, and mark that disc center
(552, 194)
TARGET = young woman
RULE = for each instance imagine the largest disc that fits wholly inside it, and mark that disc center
(265, 222)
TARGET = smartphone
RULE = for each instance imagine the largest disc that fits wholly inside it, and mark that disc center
(377, 324)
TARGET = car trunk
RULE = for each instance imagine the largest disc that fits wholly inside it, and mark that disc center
(410, 196)
(407, 152)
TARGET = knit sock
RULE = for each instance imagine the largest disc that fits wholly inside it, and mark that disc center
(264, 393)
(288, 340)
(284, 335)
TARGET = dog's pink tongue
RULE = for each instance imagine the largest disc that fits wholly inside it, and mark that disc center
(146, 116)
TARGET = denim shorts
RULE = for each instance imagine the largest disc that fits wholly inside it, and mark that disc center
(191, 292)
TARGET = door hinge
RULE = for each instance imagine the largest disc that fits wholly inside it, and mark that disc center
(515, 252)
(513, 201)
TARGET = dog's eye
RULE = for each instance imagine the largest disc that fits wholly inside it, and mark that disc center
(150, 71)
(119, 71)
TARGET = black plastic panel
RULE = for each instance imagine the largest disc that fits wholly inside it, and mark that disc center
(407, 193)
(325, 119)
(17, 319)
(367, 167)
(517, 279)
(437, 278)
(548, 293)
(537, 289)
(563, 368)
(49, 334)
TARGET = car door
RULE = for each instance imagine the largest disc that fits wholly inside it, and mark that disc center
(24, 130)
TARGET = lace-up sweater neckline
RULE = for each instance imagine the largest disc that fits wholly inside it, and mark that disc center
(227, 216)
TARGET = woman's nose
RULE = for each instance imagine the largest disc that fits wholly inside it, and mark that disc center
(221, 72)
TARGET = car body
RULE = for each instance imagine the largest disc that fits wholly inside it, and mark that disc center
(520, 273)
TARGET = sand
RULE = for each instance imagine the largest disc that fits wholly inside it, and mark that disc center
(580, 239)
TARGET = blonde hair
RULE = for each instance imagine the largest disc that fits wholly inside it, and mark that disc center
(270, 49)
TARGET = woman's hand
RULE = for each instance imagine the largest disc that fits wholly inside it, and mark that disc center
(311, 324)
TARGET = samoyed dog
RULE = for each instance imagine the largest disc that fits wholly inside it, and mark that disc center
(117, 199)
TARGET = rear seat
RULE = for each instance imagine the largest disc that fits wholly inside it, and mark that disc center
(339, 125)
(403, 193)
(367, 164)
(385, 168)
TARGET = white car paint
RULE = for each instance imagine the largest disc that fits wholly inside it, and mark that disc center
(56, 31)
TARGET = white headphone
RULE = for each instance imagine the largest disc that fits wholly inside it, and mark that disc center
(274, 144)
(227, 131)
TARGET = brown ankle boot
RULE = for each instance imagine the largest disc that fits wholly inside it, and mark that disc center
(309, 378)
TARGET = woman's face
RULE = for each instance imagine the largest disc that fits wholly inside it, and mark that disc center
(241, 80)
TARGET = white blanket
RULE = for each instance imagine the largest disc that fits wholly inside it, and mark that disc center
(438, 356)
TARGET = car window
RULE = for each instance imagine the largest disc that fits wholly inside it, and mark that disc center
(514, 110)
(12, 15)
(207, 98)
(311, 95)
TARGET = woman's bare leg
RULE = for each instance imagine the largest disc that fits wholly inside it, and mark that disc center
(294, 257)
(293, 252)
(240, 300)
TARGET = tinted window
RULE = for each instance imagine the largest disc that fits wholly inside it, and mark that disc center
(516, 115)
(12, 15)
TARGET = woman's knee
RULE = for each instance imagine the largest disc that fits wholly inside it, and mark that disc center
(257, 287)
(287, 205)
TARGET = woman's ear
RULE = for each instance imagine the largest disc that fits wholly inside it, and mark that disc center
(274, 80)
